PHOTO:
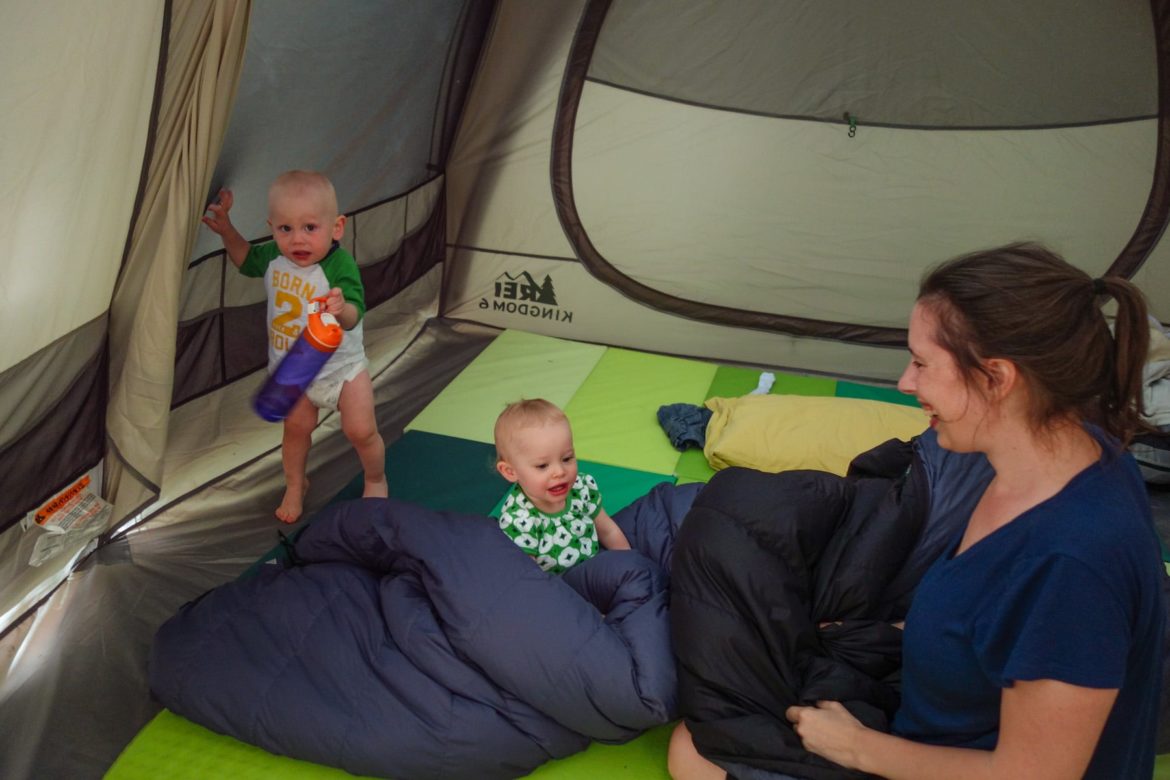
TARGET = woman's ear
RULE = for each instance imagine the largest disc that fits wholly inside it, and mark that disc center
(506, 470)
(1003, 377)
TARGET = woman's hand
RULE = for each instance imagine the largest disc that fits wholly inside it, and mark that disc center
(828, 730)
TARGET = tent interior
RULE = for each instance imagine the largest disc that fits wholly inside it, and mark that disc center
(752, 183)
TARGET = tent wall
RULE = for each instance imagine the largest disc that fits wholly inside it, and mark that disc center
(370, 97)
(204, 47)
(76, 106)
(683, 178)
(77, 109)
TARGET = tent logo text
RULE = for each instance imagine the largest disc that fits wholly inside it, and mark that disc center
(522, 294)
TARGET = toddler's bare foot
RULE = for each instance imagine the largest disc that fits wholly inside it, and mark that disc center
(292, 504)
(377, 488)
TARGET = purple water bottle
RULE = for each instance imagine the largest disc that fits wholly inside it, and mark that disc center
(300, 365)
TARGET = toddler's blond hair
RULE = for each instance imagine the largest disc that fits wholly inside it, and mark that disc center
(310, 183)
(525, 413)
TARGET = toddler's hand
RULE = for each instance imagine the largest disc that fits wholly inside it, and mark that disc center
(334, 302)
(219, 221)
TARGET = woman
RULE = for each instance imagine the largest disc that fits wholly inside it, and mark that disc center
(1033, 645)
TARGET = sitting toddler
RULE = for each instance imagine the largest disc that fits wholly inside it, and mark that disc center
(552, 513)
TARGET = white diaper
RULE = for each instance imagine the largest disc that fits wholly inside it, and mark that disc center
(325, 390)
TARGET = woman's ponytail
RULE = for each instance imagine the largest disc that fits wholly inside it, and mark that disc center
(1120, 405)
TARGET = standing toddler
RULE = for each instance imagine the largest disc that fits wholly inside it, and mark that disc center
(305, 261)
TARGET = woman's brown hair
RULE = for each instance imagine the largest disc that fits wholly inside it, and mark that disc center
(1024, 303)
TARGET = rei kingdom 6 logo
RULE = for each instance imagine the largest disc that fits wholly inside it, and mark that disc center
(522, 294)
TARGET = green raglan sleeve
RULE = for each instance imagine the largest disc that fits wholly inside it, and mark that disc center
(341, 270)
(258, 258)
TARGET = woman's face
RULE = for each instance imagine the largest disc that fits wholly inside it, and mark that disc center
(957, 412)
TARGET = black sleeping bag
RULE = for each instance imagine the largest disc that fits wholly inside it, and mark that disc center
(760, 563)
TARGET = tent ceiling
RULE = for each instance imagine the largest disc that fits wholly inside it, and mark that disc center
(994, 63)
(716, 199)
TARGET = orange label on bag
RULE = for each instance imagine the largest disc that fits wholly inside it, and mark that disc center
(61, 500)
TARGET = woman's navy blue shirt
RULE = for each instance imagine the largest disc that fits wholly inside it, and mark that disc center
(1071, 591)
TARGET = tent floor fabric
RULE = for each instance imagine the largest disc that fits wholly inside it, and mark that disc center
(611, 395)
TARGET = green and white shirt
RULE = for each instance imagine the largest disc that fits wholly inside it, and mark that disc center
(290, 289)
(558, 542)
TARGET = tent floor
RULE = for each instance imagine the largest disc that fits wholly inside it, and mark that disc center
(73, 685)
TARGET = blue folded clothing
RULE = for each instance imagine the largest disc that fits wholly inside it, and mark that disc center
(685, 424)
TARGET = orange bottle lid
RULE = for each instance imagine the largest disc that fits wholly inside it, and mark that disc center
(323, 332)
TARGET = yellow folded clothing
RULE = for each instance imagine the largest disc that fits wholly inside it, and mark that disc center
(783, 432)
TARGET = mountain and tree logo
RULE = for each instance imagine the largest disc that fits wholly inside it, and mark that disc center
(523, 287)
